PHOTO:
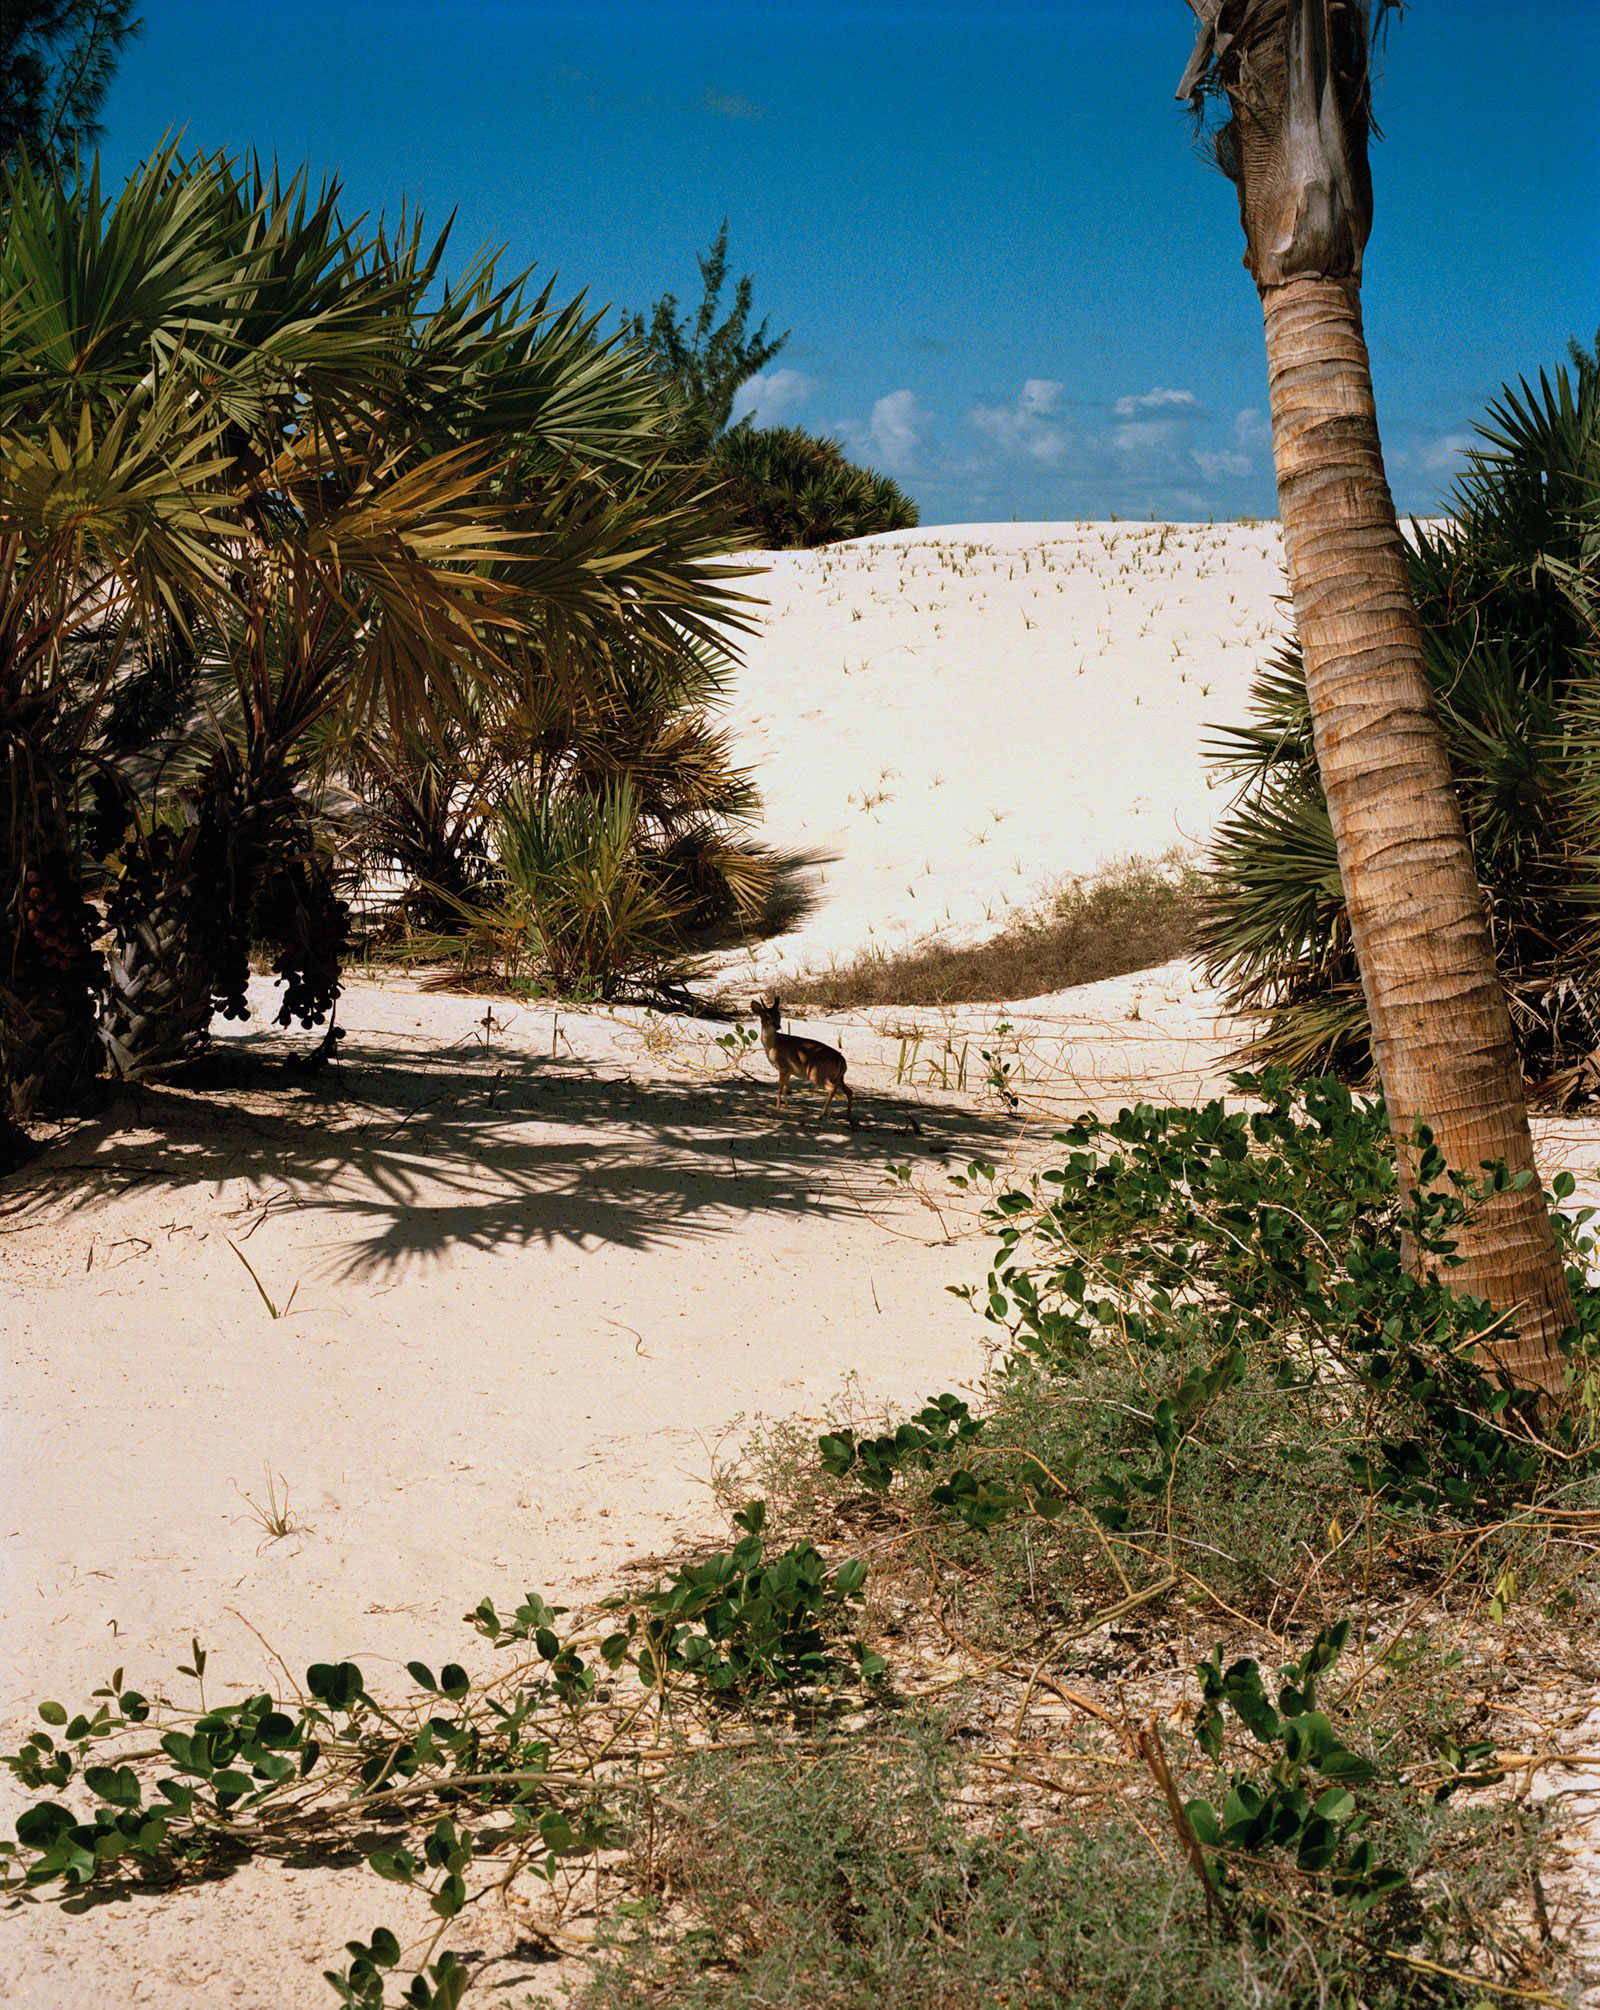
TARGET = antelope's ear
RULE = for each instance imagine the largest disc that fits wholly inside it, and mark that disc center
(755, 1006)
(777, 1004)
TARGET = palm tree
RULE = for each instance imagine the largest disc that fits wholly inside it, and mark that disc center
(1505, 593)
(1294, 77)
(261, 483)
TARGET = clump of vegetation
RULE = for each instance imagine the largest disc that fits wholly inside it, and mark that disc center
(296, 588)
(784, 487)
(1506, 592)
(57, 60)
(1134, 915)
(977, 1707)
(791, 490)
(582, 845)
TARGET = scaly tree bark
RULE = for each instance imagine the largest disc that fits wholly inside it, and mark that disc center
(1295, 78)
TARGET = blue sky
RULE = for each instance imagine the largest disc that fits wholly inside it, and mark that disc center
(1011, 283)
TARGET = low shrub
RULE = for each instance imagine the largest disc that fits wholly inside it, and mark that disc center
(1134, 915)
(791, 490)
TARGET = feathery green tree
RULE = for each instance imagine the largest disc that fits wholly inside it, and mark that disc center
(705, 362)
(57, 60)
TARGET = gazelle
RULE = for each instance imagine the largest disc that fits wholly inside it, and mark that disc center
(815, 1063)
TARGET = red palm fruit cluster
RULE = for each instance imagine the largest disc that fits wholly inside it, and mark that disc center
(53, 912)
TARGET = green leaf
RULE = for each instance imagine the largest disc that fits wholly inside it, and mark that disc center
(337, 1684)
(1343, 1765)
(117, 1786)
(44, 1824)
(448, 1900)
(1336, 1805)
(52, 1713)
(385, 1949)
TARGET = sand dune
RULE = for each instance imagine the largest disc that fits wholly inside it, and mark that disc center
(955, 718)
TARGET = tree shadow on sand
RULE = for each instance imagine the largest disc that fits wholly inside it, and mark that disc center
(410, 1155)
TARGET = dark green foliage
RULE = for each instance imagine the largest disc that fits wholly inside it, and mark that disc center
(942, 1425)
(791, 490)
(704, 362)
(57, 59)
(1237, 1251)
(783, 487)
(1506, 592)
(351, 505)
(742, 1625)
(1218, 1365)
(1303, 1804)
(426, 823)
(584, 843)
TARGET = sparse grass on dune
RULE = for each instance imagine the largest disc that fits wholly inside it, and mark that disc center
(1133, 915)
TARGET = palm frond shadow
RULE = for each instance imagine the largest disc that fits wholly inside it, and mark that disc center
(411, 1157)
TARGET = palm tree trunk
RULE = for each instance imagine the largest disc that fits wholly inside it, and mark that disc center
(1441, 1031)
(1296, 78)
(48, 966)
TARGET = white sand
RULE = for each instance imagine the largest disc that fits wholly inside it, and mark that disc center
(962, 716)
(540, 1262)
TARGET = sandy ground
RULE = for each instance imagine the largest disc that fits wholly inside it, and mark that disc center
(530, 1268)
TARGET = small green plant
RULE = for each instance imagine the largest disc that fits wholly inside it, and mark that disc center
(739, 1624)
(273, 1310)
(998, 1070)
(944, 1424)
(361, 1985)
(1302, 1805)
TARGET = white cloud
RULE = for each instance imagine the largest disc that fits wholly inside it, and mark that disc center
(730, 104)
(1145, 436)
(1446, 456)
(1252, 431)
(1154, 422)
(767, 397)
(1221, 462)
(896, 428)
(1023, 428)
(1148, 401)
